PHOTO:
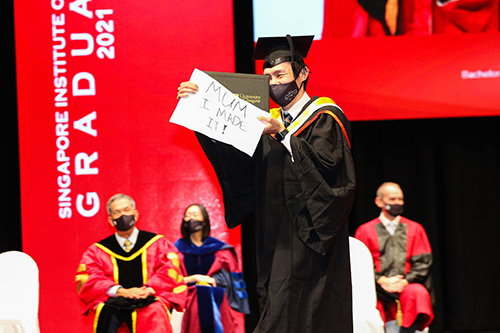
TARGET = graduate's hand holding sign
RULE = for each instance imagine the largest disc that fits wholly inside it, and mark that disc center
(207, 107)
(272, 125)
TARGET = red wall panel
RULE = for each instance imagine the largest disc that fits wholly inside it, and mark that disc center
(97, 83)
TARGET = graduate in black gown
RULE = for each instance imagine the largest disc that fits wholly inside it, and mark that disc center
(298, 189)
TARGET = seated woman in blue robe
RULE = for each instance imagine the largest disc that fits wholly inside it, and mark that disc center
(212, 271)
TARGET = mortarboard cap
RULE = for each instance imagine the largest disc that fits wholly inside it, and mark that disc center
(275, 50)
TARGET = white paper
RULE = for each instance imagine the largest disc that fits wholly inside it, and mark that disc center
(219, 114)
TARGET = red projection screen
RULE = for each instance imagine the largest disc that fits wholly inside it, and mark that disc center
(97, 84)
(442, 62)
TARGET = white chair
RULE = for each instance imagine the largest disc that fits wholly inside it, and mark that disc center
(366, 317)
(176, 321)
(18, 293)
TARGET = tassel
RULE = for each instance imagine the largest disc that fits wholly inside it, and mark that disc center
(399, 314)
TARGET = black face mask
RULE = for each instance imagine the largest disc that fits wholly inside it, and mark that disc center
(193, 226)
(394, 210)
(283, 94)
(124, 222)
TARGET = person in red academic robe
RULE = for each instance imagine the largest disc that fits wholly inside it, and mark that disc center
(212, 271)
(402, 259)
(132, 277)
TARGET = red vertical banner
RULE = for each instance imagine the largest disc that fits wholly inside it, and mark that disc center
(97, 83)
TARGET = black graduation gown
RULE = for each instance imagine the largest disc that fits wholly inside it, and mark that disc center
(300, 209)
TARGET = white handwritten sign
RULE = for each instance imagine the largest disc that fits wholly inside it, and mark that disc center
(219, 114)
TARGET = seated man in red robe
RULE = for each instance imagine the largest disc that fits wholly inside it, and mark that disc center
(131, 277)
(402, 259)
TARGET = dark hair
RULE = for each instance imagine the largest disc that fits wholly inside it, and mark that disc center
(206, 227)
(297, 66)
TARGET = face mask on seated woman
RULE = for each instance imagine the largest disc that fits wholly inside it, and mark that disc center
(193, 225)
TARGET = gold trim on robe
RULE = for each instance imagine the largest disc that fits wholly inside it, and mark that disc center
(81, 277)
(133, 256)
(97, 314)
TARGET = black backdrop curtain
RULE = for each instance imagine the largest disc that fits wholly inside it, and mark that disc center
(10, 225)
